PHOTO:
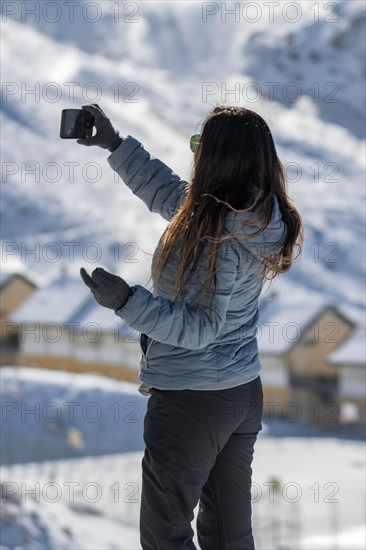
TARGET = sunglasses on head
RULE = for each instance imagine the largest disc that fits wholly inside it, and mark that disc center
(194, 142)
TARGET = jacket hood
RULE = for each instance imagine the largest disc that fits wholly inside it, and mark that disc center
(268, 241)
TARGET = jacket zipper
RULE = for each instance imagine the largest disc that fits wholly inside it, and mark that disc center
(145, 354)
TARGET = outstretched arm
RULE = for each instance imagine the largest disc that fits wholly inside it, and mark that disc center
(182, 324)
(148, 178)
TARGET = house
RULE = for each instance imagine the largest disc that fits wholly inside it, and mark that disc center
(62, 327)
(295, 337)
(15, 288)
(350, 360)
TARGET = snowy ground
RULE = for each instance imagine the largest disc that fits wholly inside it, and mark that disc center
(320, 504)
(92, 502)
(49, 415)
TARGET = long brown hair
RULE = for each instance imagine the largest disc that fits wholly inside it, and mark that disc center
(236, 167)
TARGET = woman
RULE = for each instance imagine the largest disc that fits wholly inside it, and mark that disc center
(230, 228)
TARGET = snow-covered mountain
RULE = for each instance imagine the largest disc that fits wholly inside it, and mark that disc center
(157, 68)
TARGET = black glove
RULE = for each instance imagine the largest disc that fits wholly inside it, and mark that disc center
(108, 290)
(106, 137)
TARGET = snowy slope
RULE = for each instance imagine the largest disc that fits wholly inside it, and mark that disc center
(164, 59)
(324, 60)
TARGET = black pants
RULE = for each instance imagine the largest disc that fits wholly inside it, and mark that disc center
(199, 447)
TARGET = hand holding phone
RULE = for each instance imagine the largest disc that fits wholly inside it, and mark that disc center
(106, 137)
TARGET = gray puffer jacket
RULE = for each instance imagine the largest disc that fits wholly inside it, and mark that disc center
(185, 345)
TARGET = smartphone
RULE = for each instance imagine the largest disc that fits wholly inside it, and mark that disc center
(76, 123)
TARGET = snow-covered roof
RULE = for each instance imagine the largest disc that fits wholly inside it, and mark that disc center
(283, 319)
(68, 300)
(6, 276)
(352, 351)
(58, 302)
(105, 319)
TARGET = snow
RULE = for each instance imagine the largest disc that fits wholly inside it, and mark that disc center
(13, 268)
(156, 57)
(4, 278)
(92, 502)
(56, 414)
(63, 378)
(58, 302)
(67, 300)
(320, 59)
(104, 318)
(283, 320)
(156, 61)
(352, 351)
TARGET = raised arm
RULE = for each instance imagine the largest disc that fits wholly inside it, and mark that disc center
(148, 178)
